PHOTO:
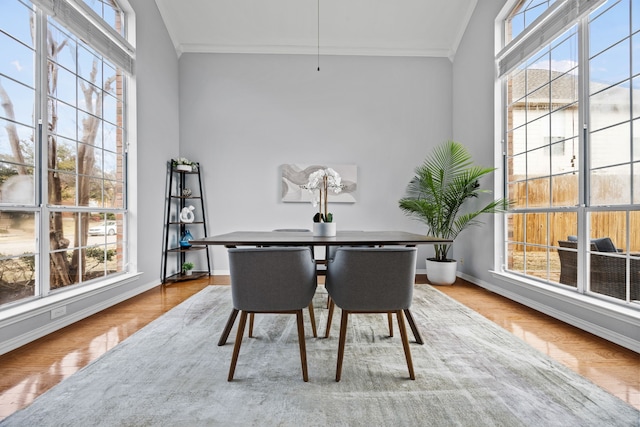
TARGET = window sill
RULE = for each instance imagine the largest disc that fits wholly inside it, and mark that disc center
(60, 298)
(621, 310)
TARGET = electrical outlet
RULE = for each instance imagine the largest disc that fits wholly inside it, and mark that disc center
(461, 261)
(58, 311)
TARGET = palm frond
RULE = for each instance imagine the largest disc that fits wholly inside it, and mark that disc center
(441, 186)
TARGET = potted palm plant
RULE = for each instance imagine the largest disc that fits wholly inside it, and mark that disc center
(436, 195)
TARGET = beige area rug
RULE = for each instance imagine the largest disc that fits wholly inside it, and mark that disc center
(470, 372)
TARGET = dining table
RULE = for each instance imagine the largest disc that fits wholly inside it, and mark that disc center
(307, 238)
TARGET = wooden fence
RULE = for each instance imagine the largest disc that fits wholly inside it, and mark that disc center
(564, 192)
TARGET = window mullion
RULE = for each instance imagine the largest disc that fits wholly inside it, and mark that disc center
(41, 136)
(42, 285)
(583, 174)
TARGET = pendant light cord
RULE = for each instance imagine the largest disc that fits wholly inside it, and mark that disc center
(318, 1)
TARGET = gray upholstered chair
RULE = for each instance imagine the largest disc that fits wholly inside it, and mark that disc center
(312, 316)
(372, 280)
(271, 280)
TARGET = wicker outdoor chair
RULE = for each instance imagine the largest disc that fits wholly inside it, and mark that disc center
(607, 272)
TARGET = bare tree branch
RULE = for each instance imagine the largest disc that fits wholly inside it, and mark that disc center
(14, 139)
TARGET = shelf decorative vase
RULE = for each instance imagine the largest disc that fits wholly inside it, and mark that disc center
(324, 229)
(185, 241)
(186, 214)
(185, 168)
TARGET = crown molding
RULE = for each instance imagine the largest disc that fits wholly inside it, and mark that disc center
(313, 50)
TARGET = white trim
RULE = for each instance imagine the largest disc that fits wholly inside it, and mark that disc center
(311, 50)
(535, 36)
(559, 17)
(30, 311)
(499, 222)
(105, 27)
(169, 25)
(20, 312)
(87, 26)
(466, 18)
(597, 312)
(130, 16)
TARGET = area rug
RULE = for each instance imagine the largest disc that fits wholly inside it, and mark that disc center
(469, 372)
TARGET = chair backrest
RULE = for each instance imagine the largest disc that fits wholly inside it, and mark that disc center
(272, 278)
(602, 267)
(372, 279)
(568, 262)
(601, 244)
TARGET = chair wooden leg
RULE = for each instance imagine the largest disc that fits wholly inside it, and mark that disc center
(390, 319)
(414, 327)
(312, 316)
(343, 339)
(236, 346)
(303, 348)
(251, 317)
(405, 343)
(227, 327)
(329, 318)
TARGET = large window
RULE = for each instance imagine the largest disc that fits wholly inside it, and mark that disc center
(572, 158)
(63, 140)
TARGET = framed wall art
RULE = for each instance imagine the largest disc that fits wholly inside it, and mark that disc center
(294, 176)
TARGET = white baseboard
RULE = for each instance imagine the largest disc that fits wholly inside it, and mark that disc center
(11, 327)
(595, 313)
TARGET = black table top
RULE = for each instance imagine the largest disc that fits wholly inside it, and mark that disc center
(301, 238)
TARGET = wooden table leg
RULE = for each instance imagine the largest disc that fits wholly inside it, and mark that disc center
(414, 328)
(227, 327)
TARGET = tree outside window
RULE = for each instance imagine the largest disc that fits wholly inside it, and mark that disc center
(83, 183)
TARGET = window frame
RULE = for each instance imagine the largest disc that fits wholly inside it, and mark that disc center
(509, 56)
(44, 9)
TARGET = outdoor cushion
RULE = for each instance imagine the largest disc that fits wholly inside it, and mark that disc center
(603, 244)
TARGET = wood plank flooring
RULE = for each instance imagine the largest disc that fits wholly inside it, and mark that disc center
(31, 370)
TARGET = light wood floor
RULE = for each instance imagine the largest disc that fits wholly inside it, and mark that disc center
(33, 369)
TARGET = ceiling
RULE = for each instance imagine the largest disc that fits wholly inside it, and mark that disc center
(347, 27)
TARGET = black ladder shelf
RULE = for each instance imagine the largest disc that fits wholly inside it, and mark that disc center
(178, 194)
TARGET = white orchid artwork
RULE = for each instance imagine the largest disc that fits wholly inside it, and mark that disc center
(296, 177)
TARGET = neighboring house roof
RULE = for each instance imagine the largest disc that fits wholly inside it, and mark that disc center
(534, 83)
(564, 89)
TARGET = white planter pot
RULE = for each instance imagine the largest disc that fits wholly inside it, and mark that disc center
(324, 229)
(441, 273)
(186, 168)
(188, 272)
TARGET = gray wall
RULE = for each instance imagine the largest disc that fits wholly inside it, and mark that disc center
(242, 116)
(158, 133)
(473, 125)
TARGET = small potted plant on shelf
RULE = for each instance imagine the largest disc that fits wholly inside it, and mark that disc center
(183, 164)
(187, 268)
